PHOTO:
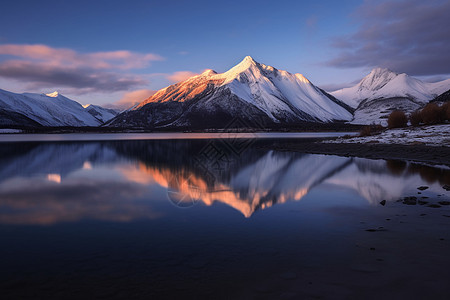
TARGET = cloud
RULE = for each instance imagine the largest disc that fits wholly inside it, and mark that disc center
(40, 66)
(406, 36)
(37, 75)
(180, 76)
(122, 59)
(132, 98)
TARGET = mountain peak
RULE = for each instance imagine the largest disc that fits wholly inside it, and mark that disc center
(249, 59)
(381, 71)
(247, 65)
(376, 79)
(247, 62)
(53, 95)
(302, 78)
(209, 72)
(382, 83)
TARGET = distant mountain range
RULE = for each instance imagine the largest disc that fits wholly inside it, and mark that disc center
(383, 91)
(383, 83)
(49, 110)
(249, 95)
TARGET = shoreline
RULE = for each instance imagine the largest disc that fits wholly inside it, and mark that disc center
(310, 142)
(80, 137)
(435, 155)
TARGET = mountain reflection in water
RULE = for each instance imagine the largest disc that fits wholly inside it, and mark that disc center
(46, 183)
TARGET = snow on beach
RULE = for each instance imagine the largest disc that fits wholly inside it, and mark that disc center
(434, 135)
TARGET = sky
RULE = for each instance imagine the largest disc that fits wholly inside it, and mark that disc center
(120, 52)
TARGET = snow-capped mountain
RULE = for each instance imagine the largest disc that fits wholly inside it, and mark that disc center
(100, 113)
(250, 91)
(13, 119)
(383, 91)
(46, 109)
(383, 83)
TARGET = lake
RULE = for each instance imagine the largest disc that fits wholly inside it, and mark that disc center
(217, 218)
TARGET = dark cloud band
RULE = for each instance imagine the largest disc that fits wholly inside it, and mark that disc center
(406, 36)
(38, 75)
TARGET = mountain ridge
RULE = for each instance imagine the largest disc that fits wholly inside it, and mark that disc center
(384, 83)
(382, 91)
(250, 91)
(53, 110)
(250, 95)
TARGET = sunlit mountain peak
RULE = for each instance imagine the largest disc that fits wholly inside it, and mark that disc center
(302, 78)
(249, 60)
(209, 72)
(250, 90)
(247, 63)
(54, 94)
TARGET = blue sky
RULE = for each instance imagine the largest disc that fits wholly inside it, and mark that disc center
(164, 41)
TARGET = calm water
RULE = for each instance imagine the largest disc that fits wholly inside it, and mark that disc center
(216, 218)
(164, 136)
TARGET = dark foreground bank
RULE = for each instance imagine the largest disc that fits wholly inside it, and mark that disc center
(420, 153)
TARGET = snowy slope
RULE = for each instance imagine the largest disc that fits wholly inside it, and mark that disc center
(438, 88)
(48, 109)
(100, 113)
(383, 91)
(271, 90)
(383, 83)
(249, 90)
(377, 111)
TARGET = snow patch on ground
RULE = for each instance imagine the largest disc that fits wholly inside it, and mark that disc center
(378, 111)
(435, 135)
